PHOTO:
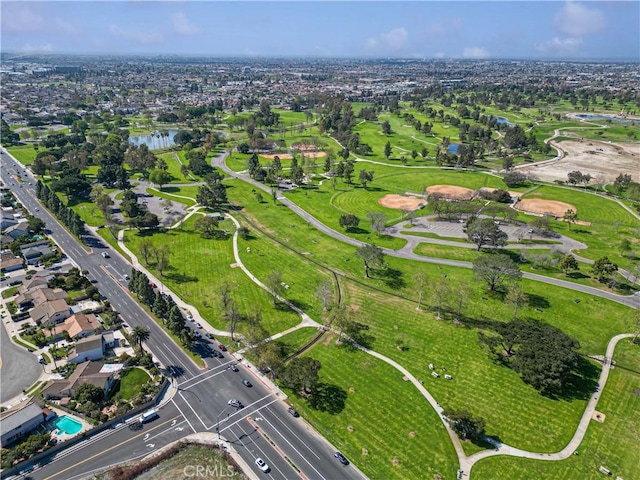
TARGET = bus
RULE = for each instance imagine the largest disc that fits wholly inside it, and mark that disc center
(148, 416)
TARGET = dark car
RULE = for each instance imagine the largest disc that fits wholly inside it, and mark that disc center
(222, 347)
(209, 335)
(216, 354)
(233, 368)
(246, 383)
(342, 458)
(293, 412)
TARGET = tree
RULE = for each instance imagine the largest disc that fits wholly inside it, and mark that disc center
(568, 263)
(324, 292)
(495, 270)
(485, 232)
(372, 256)
(386, 127)
(212, 196)
(349, 221)
(514, 179)
(160, 177)
(544, 356)
(516, 297)
(464, 424)
(347, 173)
(440, 291)
(146, 249)
(570, 216)
(387, 150)
(88, 392)
(275, 285)
(160, 307)
(574, 177)
(162, 258)
(36, 225)
(302, 373)
(421, 282)
(625, 246)
(603, 268)
(365, 177)
(461, 293)
(378, 221)
(207, 225)
(139, 335)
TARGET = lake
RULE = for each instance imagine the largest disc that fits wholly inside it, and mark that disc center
(453, 148)
(504, 121)
(587, 116)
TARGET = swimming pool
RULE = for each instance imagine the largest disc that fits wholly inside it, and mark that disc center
(67, 425)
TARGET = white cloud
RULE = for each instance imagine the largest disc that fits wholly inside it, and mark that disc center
(182, 25)
(391, 41)
(560, 46)
(576, 20)
(28, 48)
(20, 18)
(475, 52)
(137, 36)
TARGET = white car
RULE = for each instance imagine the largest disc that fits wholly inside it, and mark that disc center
(262, 465)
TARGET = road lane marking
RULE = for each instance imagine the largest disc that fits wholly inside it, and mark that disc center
(292, 433)
(245, 416)
(183, 415)
(171, 427)
(192, 409)
(107, 450)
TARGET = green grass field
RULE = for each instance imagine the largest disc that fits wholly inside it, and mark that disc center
(199, 266)
(130, 382)
(613, 443)
(25, 154)
(391, 440)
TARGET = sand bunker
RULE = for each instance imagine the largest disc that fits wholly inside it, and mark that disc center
(401, 203)
(451, 192)
(538, 205)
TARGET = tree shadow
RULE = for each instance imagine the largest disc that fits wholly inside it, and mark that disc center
(581, 384)
(577, 275)
(328, 398)
(299, 303)
(356, 230)
(537, 301)
(180, 277)
(391, 277)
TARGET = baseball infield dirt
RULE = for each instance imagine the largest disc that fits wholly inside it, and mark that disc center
(400, 202)
(451, 192)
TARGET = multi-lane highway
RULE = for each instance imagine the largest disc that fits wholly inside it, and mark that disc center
(263, 428)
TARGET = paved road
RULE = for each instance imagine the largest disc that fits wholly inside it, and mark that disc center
(203, 392)
(632, 300)
(19, 369)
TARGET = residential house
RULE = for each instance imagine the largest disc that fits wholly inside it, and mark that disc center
(19, 421)
(33, 251)
(5, 240)
(39, 296)
(77, 326)
(9, 262)
(95, 373)
(37, 281)
(50, 311)
(18, 230)
(88, 348)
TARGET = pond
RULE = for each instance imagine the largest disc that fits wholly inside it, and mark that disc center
(155, 140)
(504, 121)
(587, 116)
(453, 148)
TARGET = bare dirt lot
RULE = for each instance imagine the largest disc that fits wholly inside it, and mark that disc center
(602, 160)
(400, 202)
(288, 156)
(452, 192)
(538, 205)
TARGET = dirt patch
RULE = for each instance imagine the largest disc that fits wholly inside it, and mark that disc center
(602, 160)
(304, 147)
(401, 202)
(412, 434)
(598, 416)
(281, 156)
(452, 192)
(314, 154)
(327, 340)
(234, 265)
(538, 205)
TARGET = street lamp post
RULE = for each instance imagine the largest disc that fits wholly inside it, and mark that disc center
(218, 421)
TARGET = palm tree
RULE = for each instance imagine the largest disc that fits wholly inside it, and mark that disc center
(140, 334)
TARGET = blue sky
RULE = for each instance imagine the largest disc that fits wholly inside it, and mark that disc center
(417, 29)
